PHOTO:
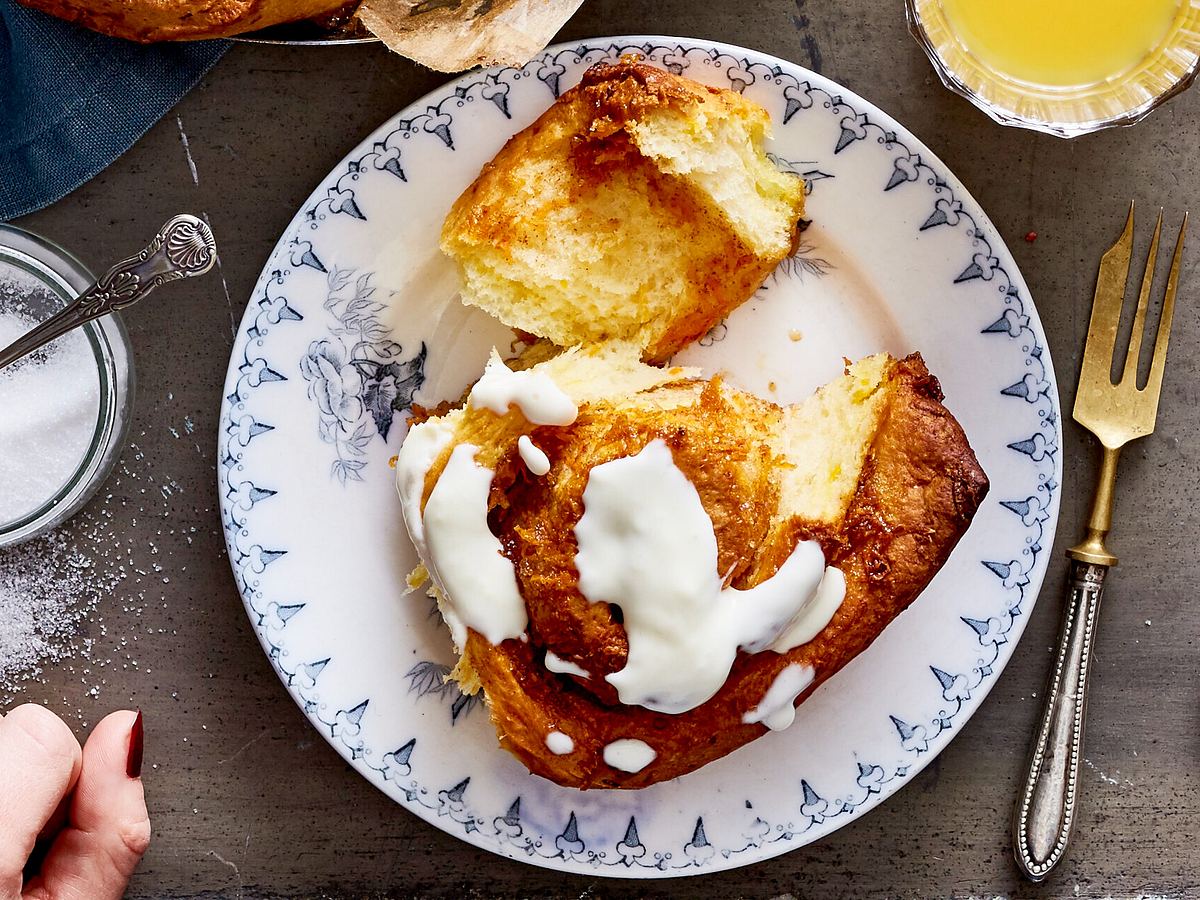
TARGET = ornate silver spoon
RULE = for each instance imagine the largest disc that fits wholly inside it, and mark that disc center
(183, 247)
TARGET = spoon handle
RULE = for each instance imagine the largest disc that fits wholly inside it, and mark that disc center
(183, 247)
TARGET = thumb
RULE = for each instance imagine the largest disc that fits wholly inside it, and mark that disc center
(108, 829)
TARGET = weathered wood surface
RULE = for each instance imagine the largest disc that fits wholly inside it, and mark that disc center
(249, 801)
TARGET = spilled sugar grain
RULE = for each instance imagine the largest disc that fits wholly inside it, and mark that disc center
(54, 593)
(76, 605)
(48, 591)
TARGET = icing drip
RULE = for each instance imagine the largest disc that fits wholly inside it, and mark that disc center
(477, 581)
(777, 709)
(556, 663)
(559, 744)
(422, 446)
(536, 461)
(816, 614)
(540, 400)
(647, 545)
(629, 754)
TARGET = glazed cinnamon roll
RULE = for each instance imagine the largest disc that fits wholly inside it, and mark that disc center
(644, 570)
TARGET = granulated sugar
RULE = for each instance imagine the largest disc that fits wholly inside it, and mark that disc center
(78, 607)
(86, 611)
(49, 403)
(47, 592)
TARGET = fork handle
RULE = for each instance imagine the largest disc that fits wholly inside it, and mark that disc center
(1046, 808)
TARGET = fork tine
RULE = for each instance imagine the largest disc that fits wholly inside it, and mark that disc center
(1106, 308)
(1154, 383)
(1139, 317)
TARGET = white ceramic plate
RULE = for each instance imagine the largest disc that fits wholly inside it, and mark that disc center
(355, 315)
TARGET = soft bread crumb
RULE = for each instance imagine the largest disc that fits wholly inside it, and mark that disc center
(465, 676)
(640, 207)
(417, 577)
(825, 440)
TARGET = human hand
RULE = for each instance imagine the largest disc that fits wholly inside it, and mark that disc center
(85, 807)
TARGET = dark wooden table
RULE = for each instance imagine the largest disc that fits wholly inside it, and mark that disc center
(249, 801)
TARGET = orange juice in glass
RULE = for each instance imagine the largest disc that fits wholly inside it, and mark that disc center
(1062, 66)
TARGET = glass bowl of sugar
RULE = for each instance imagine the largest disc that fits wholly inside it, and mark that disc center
(64, 409)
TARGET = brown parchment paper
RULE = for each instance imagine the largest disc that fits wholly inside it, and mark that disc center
(452, 35)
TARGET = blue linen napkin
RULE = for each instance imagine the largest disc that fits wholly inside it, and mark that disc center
(72, 101)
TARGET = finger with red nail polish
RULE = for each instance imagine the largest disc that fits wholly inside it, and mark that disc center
(108, 826)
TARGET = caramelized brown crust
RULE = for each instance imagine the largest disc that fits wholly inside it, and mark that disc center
(177, 20)
(915, 498)
(616, 95)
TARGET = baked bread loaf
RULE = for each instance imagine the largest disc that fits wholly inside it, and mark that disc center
(178, 20)
(642, 569)
(872, 467)
(641, 207)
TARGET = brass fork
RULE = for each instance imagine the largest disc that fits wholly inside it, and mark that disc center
(1116, 414)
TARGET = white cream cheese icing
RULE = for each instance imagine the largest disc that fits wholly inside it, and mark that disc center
(815, 614)
(465, 559)
(777, 708)
(534, 393)
(556, 663)
(647, 545)
(422, 446)
(535, 459)
(629, 754)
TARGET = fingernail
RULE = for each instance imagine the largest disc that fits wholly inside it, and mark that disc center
(133, 767)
